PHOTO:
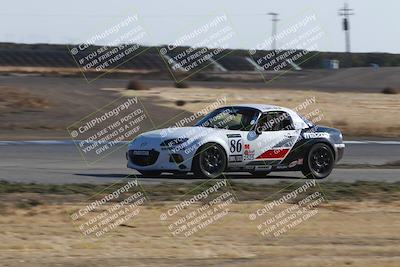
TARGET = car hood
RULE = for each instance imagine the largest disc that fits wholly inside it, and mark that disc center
(154, 138)
(169, 133)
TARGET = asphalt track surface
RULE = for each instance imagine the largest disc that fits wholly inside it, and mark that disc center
(59, 163)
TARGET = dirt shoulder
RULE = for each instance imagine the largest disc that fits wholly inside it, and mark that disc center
(337, 236)
(43, 107)
(37, 231)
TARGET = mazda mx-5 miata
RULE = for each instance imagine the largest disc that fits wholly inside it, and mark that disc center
(244, 138)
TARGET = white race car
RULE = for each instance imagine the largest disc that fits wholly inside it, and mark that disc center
(246, 138)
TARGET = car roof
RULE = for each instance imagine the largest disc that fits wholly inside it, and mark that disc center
(298, 122)
(262, 107)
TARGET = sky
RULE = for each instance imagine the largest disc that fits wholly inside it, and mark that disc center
(375, 26)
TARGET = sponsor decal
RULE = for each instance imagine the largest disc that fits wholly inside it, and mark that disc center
(292, 164)
(281, 167)
(316, 135)
(295, 163)
(235, 158)
(274, 153)
(263, 167)
(248, 154)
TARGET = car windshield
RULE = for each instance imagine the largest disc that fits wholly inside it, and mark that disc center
(230, 118)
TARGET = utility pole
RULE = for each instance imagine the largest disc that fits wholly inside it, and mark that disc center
(346, 12)
(274, 19)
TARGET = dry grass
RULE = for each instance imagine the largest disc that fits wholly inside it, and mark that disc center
(20, 99)
(136, 85)
(37, 229)
(357, 114)
(342, 233)
(390, 91)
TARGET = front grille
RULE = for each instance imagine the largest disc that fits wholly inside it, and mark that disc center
(142, 160)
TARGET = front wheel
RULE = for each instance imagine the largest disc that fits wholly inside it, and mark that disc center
(319, 162)
(210, 161)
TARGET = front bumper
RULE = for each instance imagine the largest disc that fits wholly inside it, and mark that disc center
(159, 160)
(339, 151)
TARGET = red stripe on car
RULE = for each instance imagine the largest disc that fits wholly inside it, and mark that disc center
(274, 154)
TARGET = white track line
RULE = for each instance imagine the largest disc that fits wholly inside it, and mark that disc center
(366, 142)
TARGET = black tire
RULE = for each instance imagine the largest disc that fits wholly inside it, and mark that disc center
(150, 173)
(319, 162)
(260, 173)
(210, 161)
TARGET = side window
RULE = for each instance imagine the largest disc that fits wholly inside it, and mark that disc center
(275, 121)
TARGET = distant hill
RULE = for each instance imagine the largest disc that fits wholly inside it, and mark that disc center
(52, 55)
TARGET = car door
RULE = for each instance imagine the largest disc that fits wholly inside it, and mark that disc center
(271, 140)
(239, 126)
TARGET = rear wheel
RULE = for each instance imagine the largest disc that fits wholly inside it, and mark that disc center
(319, 162)
(210, 161)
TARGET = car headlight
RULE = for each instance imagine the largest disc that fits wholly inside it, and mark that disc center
(174, 142)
